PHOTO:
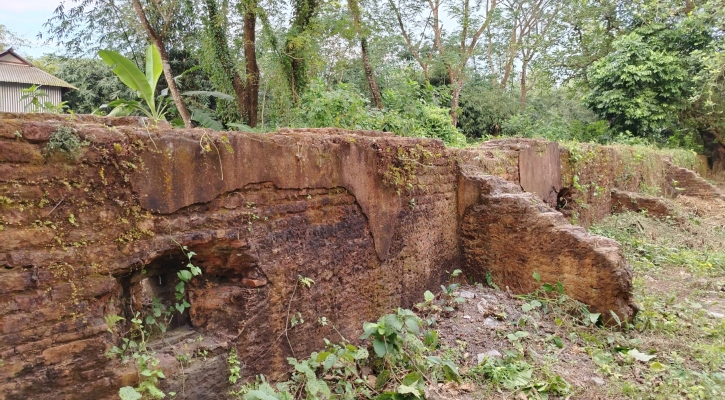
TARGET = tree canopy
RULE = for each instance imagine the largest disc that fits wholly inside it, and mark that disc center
(595, 70)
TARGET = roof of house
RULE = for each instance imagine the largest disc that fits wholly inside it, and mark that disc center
(16, 69)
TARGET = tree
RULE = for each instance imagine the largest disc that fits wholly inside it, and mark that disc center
(589, 28)
(454, 49)
(9, 39)
(412, 23)
(538, 33)
(83, 27)
(355, 12)
(485, 107)
(248, 9)
(157, 37)
(520, 37)
(708, 107)
(638, 88)
(126, 26)
(652, 83)
(295, 55)
(95, 82)
(246, 90)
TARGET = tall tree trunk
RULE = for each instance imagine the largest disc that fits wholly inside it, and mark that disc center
(455, 97)
(354, 7)
(250, 64)
(510, 57)
(374, 89)
(524, 90)
(166, 67)
(246, 92)
(714, 143)
(294, 61)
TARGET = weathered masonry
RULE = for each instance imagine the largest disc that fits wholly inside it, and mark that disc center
(373, 219)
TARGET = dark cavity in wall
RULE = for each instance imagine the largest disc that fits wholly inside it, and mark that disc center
(564, 200)
(152, 291)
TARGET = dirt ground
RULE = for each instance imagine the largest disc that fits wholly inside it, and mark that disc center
(545, 346)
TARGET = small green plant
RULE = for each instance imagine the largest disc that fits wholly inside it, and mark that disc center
(135, 347)
(551, 299)
(144, 85)
(514, 373)
(296, 319)
(185, 276)
(447, 301)
(490, 282)
(134, 342)
(235, 367)
(65, 140)
(307, 282)
(38, 101)
(399, 355)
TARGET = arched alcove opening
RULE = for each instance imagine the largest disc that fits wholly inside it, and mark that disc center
(152, 293)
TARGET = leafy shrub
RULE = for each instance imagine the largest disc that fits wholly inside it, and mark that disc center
(405, 113)
(400, 360)
(556, 115)
(484, 109)
(638, 87)
(65, 140)
(436, 123)
(340, 107)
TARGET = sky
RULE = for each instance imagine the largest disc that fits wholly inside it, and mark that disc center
(25, 18)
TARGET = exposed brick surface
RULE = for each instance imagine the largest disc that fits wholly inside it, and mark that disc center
(373, 219)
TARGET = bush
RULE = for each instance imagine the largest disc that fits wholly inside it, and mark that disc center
(406, 113)
(65, 140)
(339, 107)
(484, 109)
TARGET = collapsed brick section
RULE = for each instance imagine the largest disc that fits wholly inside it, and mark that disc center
(373, 219)
(511, 235)
(690, 183)
(637, 202)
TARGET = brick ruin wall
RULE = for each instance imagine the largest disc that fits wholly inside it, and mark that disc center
(373, 219)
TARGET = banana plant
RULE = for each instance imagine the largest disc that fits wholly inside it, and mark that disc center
(143, 84)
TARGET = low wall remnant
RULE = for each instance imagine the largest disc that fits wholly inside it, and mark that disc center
(99, 215)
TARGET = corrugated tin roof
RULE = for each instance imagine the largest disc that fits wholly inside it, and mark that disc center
(24, 72)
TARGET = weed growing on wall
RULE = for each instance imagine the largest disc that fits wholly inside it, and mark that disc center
(682, 158)
(143, 327)
(65, 140)
(185, 275)
(135, 347)
(399, 352)
(592, 171)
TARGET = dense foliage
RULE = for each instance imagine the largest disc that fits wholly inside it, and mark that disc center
(601, 71)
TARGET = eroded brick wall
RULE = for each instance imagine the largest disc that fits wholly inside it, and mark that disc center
(373, 219)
